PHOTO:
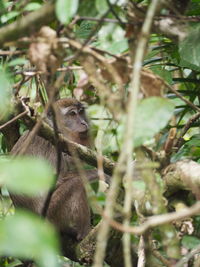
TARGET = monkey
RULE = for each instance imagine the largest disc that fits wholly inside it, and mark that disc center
(68, 209)
(72, 121)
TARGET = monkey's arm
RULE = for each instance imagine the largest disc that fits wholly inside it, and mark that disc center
(68, 209)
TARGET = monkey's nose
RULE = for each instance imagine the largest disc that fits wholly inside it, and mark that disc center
(84, 125)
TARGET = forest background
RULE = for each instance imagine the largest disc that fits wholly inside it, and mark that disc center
(136, 66)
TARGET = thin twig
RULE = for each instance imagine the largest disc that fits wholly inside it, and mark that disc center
(110, 68)
(187, 126)
(189, 103)
(10, 52)
(27, 25)
(34, 72)
(114, 13)
(156, 220)
(99, 138)
(84, 153)
(187, 257)
(39, 122)
(18, 85)
(141, 253)
(180, 18)
(161, 258)
(33, 132)
(104, 20)
(127, 146)
(13, 119)
(103, 119)
(92, 33)
(130, 127)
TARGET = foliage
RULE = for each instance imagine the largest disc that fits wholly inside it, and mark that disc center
(106, 29)
(33, 238)
(14, 175)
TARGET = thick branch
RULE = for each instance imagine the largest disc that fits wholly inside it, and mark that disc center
(27, 24)
(70, 147)
(183, 175)
(158, 220)
(177, 175)
(83, 252)
(172, 28)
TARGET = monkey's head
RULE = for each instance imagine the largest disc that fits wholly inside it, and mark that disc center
(72, 121)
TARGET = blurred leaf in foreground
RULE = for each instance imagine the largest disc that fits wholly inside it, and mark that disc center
(26, 175)
(66, 9)
(189, 47)
(27, 236)
(5, 94)
(152, 115)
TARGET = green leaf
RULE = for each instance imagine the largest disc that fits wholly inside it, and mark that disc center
(14, 263)
(101, 198)
(190, 149)
(101, 6)
(152, 115)
(2, 6)
(85, 29)
(190, 242)
(5, 93)
(185, 64)
(189, 48)
(193, 8)
(163, 73)
(66, 9)
(17, 61)
(25, 235)
(26, 175)
(32, 6)
(85, 9)
(6, 17)
(194, 141)
(118, 47)
(140, 185)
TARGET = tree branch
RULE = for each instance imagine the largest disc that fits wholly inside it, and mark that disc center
(157, 220)
(182, 175)
(172, 28)
(28, 24)
(68, 146)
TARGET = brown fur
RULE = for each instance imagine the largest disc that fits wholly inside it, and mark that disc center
(68, 209)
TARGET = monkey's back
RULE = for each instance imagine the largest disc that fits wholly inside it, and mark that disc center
(68, 209)
(39, 147)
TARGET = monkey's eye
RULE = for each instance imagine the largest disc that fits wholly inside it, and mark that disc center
(81, 111)
(72, 113)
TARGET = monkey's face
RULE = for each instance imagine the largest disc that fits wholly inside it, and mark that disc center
(74, 119)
